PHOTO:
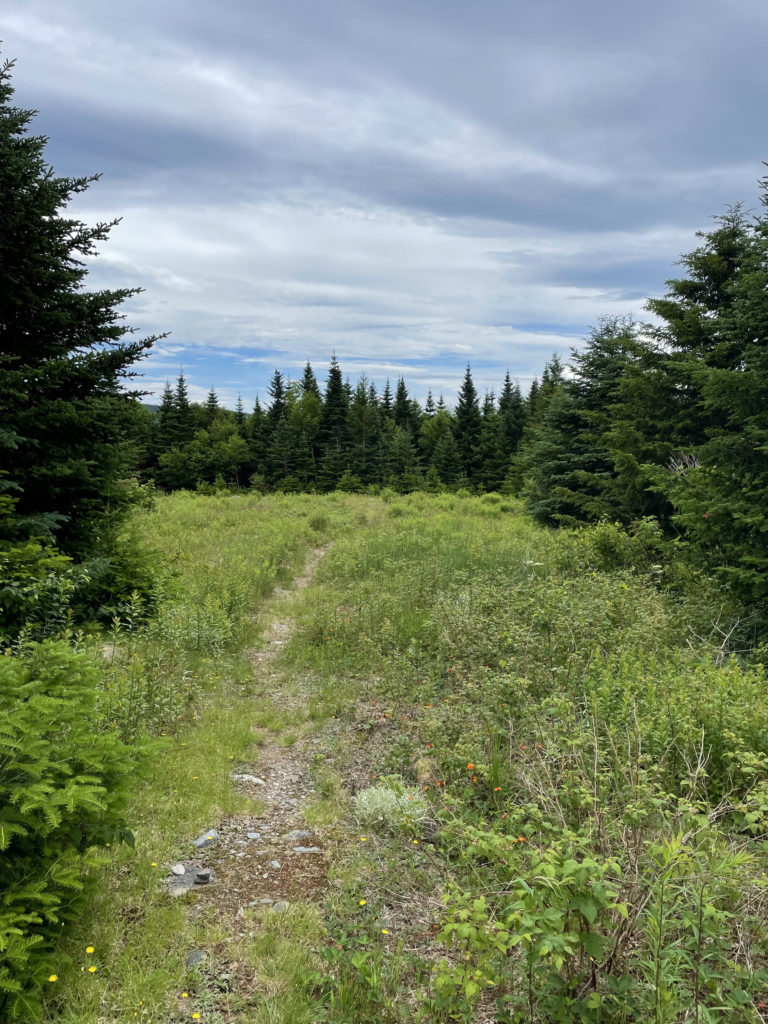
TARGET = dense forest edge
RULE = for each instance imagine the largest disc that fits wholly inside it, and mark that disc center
(613, 877)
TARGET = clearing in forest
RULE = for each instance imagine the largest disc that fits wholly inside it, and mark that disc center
(486, 773)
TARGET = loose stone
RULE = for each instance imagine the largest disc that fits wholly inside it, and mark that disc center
(275, 864)
(178, 869)
(306, 849)
(206, 839)
(299, 833)
(253, 779)
(203, 877)
(197, 956)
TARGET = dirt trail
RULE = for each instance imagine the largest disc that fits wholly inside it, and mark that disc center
(270, 858)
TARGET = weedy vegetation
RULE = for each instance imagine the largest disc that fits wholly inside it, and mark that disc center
(542, 775)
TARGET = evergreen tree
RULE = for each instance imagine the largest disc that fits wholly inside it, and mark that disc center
(492, 457)
(212, 409)
(512, 413)
(184, 420)
(278, 407)
(716, 326)
(309, 385)
(364, 430)
(258, 440)
(401, 410)
(603, 381)
(240, 417)
(332, 434)
(445, 458)
(467, 427)
(386, 400)
(65, 355)
(166, 418)
(429, 406)
(532, 399)
(564, 476)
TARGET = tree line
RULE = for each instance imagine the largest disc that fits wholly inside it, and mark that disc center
(663, 421)
(339, 437)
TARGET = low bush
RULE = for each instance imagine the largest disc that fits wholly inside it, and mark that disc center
(63, 786)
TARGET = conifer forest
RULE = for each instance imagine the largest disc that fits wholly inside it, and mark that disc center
(343, 706)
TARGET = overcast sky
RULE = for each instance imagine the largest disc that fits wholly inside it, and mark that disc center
(411, 184)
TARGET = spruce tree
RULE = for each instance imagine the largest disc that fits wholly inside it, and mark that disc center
(184, 418)
(309, 385)
(532, 399)
(716, 326)
(212, 408)
(332, 434)
(492, 456)
(401, 410)
(512, 413)
(364, 429)
(166, 418)
(258, 440)
(240, 417)
(445, 458)
(65, 353)
(429, 405)
(386, 400)
(467, 427)
(278, 408)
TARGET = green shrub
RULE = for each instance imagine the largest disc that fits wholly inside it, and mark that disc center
(36, 587)
(62, 789)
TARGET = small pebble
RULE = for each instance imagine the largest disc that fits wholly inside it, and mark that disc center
(254, 835)
(281, 906)
(306, 849)
(178, 869)
(275, 864)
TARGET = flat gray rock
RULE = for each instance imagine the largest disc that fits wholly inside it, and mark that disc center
(298, 833)
(197, 956)
(206, 839)
(253, 779)
(180, 885)
(281, 906)
(275, 864)
(306, 849)
(254, 835)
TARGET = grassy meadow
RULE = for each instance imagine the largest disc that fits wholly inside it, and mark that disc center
(539, 767)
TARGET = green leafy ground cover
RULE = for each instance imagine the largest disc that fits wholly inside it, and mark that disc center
(596, 774)
(586, 760)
